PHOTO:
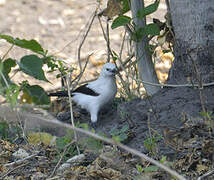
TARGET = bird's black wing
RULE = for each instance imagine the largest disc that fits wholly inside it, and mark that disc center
(86, 90)
(82, 89)
(59, 94)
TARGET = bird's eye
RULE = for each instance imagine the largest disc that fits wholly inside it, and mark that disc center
(107, 69)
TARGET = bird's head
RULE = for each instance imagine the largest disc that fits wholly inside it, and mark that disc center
(108, 69)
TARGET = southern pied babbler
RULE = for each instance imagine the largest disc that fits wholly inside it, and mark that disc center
(94, 95)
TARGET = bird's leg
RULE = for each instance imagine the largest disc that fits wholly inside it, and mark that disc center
(94, 114)
(94, 125)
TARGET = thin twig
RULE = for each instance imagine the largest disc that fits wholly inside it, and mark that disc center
(78, 77)
(63, 154)
(21, 160)
(122, 45)
(15, 71)
(206, 174)
(200, 83)
(108, 40)
(5, 80)
(20, 122)
(126, 61)
(124, 83)
(110, 141)
(71, 111)
(101, 25)
(84, 37)
(7, 173)
(106, 37)
(4, 56)
(149, 125)
(167, 5)
(174, 85)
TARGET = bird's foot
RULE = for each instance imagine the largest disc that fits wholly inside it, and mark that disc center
(94, 125)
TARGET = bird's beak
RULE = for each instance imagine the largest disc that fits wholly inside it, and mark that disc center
(114, 71)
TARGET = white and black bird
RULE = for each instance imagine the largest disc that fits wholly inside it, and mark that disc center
(94, 95)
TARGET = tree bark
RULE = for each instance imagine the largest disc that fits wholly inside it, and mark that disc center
(144, 59)
(193, 25)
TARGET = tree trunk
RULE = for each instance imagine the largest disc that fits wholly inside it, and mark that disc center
(145, 64)
(193, 25)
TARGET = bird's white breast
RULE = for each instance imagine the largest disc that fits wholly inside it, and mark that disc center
(105, 87)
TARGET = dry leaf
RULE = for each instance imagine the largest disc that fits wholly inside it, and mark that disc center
(35, 138)
(113, 8)
(201, 168)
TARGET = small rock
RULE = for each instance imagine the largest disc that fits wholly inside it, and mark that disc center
(38, 175)
(71, 162)
(21, 153)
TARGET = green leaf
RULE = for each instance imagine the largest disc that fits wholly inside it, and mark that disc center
(150, 29)
(32, 65)
(61, 142)
(120, 21)
(125, 128)
(151, 169)
(163, 159)
(32, 45)
(83, 125)
(150, 48)
(161, 39)
(93, 144)
(5, 68)
(116, 138)
(8, 64)
(166, 51)
(114, 132)
(37, 94)
(4, 129)
(139, 168)
(126, 6)
(123, 137)
(148, 10)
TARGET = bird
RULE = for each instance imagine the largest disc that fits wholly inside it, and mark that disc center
(94, 95)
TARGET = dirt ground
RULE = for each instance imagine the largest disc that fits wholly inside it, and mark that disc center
(172, 112)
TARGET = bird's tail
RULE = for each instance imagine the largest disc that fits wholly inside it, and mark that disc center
(59, 94)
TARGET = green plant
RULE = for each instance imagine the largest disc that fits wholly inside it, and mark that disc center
(4, 130)
(151, 143)
(153, 168)
(64, 144)
(10, 132)
(139, 32)
(89, 143)
(130, 82)
(31, 65)
(124, 114)
(209, 117)
(139, 168)
(120, 135)
(84, 142)
(159, 34)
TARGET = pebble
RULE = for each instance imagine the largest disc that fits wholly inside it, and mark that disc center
(20, 154)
